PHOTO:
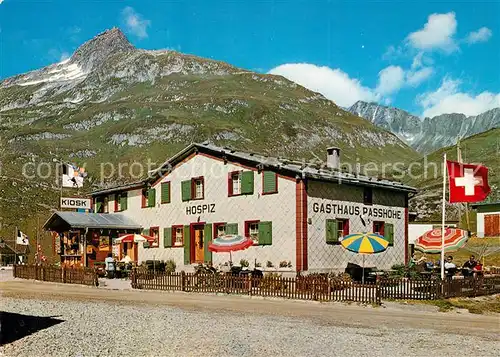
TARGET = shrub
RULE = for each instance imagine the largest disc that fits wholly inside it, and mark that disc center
(272, 281)
(244, 263)
(170, 266)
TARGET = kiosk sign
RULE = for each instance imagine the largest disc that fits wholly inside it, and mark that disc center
(75, 203)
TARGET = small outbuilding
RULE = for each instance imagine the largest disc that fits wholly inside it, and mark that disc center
(81, 239)
(488, 219)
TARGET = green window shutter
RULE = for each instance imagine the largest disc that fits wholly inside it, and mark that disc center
(389, 233)
(187, 245)
(207, 238)
(232, 228)
(146, 233)
(123, 201)
(167, 237)
(265, 233)
(332, 236)
(269, 182)
(152, 197)
(98, 206)
(186, 190)
(247, 182)
(165, 192)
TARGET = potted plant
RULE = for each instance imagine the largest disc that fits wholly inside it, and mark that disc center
(244, 263)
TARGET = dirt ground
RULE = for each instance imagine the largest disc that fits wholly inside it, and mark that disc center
(337, 314)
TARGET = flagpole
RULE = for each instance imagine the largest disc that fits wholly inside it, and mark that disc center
(443, 216)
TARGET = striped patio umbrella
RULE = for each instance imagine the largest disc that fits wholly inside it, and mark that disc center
(364, 243)
(230, 243)
(134, 238)
(430, 242)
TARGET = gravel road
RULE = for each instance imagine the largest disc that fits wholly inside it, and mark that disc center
(168, 324)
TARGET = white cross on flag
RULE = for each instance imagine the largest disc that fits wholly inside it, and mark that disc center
(468, 183)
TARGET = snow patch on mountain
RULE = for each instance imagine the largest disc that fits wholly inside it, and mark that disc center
(58, 73)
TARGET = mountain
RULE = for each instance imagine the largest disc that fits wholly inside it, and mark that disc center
(426, 175)
(111, 104)
(429, 134)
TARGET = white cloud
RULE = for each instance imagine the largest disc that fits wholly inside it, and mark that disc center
(390, 80)
(392, 53)
(334, 84)
(437, 33)
(448, 99)
(1, 1)
(415, 78)
(135, 23)
(481, 35)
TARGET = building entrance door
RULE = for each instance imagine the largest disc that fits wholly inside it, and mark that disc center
(198, 244)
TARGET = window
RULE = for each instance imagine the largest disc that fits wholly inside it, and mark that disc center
(148, 198)
(378, 227)
(367, 196)
(336, 229)
(219, 229)
(252, 230)
(99, 204)
(198, 188)
(165, 192)
(121, 201)
(155, 233)
(105, 205)
(240, 183)
(235, 183)
(342, 228)
(193, 189)
(144, 198)
(269, 182)
(177, 235)
(260, 232)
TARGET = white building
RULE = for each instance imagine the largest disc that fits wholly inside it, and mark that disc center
(488, 219)
(296, 213)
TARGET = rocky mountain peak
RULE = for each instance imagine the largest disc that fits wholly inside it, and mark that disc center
(429, 134)
(95, 51)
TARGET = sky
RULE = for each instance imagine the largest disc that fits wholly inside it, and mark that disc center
(428, 58)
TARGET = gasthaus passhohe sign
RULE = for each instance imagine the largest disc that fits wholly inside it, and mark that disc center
(73, 202)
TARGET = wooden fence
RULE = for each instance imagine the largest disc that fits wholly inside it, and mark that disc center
(83, 276)
(316, 288)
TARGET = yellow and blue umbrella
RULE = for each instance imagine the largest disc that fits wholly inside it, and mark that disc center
(365, 243)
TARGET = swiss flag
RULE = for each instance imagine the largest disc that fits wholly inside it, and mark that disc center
(468, 183)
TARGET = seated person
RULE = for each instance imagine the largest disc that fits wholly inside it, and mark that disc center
(478, 269)
(414, 261)
(450, 267)
(469, 266)
(110, 265)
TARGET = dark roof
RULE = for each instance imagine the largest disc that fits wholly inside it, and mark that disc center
(288, 167)
(480, 204)
(91, 220)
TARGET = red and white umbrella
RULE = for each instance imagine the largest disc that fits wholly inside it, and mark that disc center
(229, 243)
(430, 242)
(134, 238)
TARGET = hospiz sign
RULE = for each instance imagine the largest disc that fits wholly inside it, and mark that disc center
(76, 203)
